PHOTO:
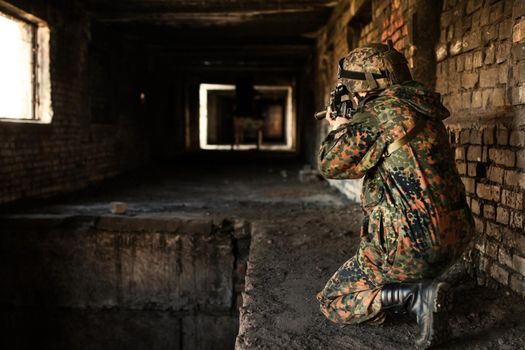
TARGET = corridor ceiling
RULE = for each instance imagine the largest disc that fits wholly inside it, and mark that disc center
(218, 29)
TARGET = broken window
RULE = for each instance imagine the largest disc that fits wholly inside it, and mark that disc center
(24, 67)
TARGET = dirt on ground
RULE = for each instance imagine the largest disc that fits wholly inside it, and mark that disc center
(301, 233)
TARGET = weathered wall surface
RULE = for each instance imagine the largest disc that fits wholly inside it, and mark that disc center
(95, 132)
(481, 72)
(171, 281)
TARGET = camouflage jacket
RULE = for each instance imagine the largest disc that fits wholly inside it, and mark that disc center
(413, 199)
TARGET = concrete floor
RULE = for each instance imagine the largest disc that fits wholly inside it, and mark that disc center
(301, 233)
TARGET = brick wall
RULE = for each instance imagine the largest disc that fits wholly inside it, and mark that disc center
(76, 149)
(480, 74)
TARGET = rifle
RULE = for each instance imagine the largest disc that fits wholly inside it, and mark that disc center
(340, 104)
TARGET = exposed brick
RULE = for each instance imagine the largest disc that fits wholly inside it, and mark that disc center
(518, 51)
(487, 77)
(475, 137)
(512, 199)
(499, 274)
(468, 59)
(503, 52)
(488, 192)
(520, 155)
(503, 73)
(471, 40)
(495, 174)
(502, 216)
(479, 226)
(469, 183)
(502, 157)
(460, 153)
(473, 5)
(486, 98)
(515, 178)
(493, 230)
(475, 207)
(517, 284)
(462, 168)
(477, 59)
(474, 153)
(490, 54)
(518, 31)
(518, 264)
(469, 79)
(518, 9)
(488, 33)
(504, 257)
(489, 211)
(502, 136)
(496, 12)
(476, 99)
(516, 241)
(485, 16)
(471, 169)
(505, 29)
(498, 98)
(517, 138)
(516, 219)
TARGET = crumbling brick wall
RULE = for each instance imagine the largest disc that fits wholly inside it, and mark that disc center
(75, 150)
(480, 73)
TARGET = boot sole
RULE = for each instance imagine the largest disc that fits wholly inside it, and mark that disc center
(442, 302)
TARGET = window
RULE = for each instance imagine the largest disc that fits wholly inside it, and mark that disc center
(24, 67)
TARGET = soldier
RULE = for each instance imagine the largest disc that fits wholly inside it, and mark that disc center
(416, 219)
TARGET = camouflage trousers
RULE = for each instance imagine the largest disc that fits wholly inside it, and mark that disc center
(350, 297)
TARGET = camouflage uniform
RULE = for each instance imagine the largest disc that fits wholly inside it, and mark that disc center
(416, 219)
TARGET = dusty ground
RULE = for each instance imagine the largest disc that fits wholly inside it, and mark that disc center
(301, 233)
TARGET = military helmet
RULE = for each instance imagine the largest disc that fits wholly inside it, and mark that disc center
(373, 67)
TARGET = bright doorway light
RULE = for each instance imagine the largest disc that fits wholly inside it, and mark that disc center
(289, 120)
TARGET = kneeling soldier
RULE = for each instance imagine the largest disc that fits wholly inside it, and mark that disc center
(417, 222)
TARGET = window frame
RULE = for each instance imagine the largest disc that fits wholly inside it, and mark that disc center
(41, 106)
